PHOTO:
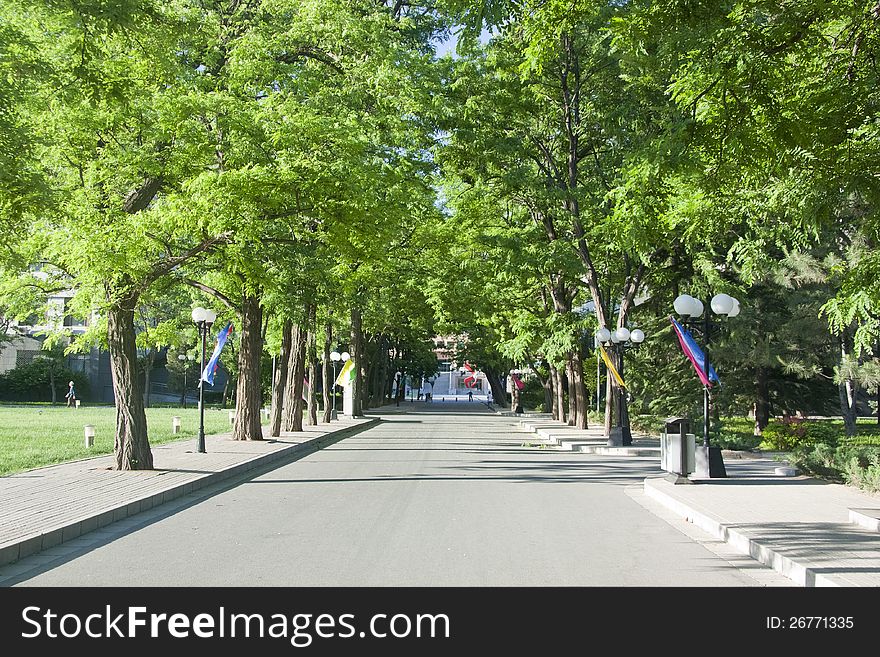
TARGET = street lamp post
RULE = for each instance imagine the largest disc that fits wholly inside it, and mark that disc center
(345, 357)
(203, 319)
(335, 356)
(619, 342)
(694, 314)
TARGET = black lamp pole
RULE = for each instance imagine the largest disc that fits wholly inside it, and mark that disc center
(334, 416)
(706, 334)
(203, 330)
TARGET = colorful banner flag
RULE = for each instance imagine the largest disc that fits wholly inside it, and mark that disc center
(610, 365)
(346, 376)
(519, 384)
(470, 381)
(214, 364)
(694, 354)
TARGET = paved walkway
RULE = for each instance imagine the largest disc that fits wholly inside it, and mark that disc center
(814, 532)
(45, 507)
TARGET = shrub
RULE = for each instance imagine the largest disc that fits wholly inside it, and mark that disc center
(532, 396)
(647, 424)
(823, 432)
(864, 475)
(819, 459)
(785, 435)
(31, 382)
(855, 465)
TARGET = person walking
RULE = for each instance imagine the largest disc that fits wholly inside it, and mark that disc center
(470, 395)
(71, 395)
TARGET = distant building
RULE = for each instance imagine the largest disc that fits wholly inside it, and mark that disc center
(454, 376)
(26, 339)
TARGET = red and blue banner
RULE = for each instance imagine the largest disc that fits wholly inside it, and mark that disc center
(214, 364)
(470, 381)
(694, 354)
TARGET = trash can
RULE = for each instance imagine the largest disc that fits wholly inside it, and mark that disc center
(677, 447)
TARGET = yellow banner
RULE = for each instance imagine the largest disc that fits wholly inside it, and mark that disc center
(611, 367)
(347, 374)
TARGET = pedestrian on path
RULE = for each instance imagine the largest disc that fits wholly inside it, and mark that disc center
(71, 395)
(470, 395)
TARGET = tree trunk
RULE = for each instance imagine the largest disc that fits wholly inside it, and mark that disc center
(499, 397)
(572, 393)
(357, 354)
(560, 393)
(368, 370)
(847, 390)
(378, 375)
(131, 446)
(514, 396)
(311, 359)
(848, 406)
(580, 397)
(548, 386)
(248, 398)
(325, 370)
(293, 405)
(226, 391)
(762, 400)
(52, 383)
(280, 379)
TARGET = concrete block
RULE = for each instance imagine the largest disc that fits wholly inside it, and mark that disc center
(9, 553)
(867, 518)
(105, 518)
(88, 525)
(51, 539)
(71, 531)
(30, 546)
(615, 437)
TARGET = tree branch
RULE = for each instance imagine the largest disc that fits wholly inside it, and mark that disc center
(165, 266)
(138, 199)
(310, 52)
(217, 294)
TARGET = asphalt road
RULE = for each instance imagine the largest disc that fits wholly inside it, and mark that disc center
(443, 495)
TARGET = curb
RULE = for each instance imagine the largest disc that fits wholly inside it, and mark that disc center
(554, 434)
(653, 452)
(19, 548)
(800, 574)
(867, 518)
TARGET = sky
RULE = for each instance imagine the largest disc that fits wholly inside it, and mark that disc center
(448, 45)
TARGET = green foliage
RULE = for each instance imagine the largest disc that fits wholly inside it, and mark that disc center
(793, 432)
(737, 433)
(651, 425)
(855, 465)
(33, 382)
(532, 396)
(864, 471)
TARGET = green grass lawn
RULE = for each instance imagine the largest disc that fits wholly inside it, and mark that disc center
(36, 435)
